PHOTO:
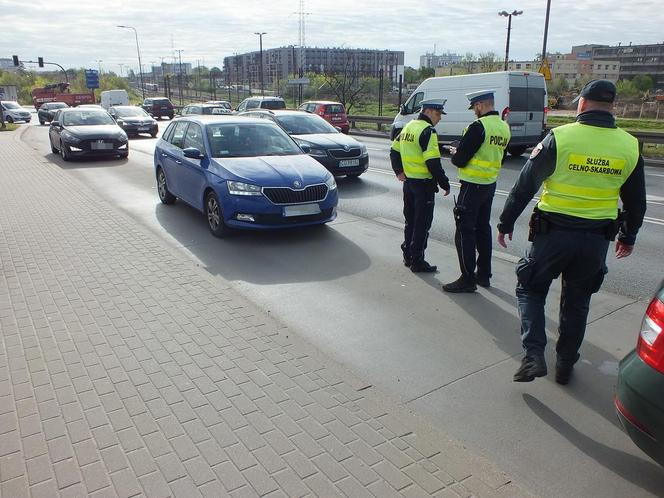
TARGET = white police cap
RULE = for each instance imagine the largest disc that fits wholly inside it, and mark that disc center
(479, 96)
(438, 104)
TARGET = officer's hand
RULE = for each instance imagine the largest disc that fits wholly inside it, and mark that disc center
(452, 150)
(623, 250)
(501, 238)
(401, 177)
(447, 191)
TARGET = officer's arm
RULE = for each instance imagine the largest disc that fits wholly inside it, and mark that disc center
(633, 196)
(431, 154)
(395, 157)
(470, 143)
(540, 165)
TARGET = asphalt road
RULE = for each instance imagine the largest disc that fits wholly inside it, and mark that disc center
(450, 358)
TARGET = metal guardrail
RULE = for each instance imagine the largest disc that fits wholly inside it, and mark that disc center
(644, 137)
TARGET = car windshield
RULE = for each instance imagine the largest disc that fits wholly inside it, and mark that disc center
(305, 124)
(132, 111)
(11, 105)
(249, 140)
(86, 118)
(273, 104)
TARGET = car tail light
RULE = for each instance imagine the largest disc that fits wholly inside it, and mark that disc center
(546, 113)
(505, 113)
(650, 346)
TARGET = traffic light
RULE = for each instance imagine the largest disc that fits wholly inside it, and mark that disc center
(15, 57)
(40, 61)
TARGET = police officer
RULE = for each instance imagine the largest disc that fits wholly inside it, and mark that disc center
(479, 157)
(584, 168)
(415, 159)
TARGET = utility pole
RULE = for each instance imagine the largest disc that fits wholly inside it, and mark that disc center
(198, 86)
(179, 51)
(260, 37)
(546, 34)
(237, 77)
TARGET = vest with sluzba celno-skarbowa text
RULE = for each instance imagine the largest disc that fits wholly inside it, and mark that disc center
(592, 163)
(484, 166)
(413, 158)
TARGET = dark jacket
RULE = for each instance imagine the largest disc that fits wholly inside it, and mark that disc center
(434, 166)
(542, 164)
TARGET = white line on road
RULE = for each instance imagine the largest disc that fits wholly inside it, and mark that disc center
(505, 193)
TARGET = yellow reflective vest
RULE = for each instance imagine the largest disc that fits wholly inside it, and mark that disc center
(413, 158)
(592, 163)
(484, 166)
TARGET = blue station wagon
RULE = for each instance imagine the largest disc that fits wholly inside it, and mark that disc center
(242, 173)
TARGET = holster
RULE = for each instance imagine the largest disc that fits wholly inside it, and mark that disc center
(613, 228)
(538, 224)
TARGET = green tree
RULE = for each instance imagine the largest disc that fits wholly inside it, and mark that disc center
(426, 72)
(558, 86)
(410, 75)
(488, 62)
(643, 82)
(627, 89)
(469, 62)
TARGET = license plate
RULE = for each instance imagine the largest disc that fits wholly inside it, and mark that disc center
(347, 163)
(101, 146)
(301, 210)
(335, 118)
(143, 128)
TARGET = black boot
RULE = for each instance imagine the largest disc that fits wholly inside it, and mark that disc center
(462, 284)
(482, 281)
(423, 267)
(531, 367)
(564, 369)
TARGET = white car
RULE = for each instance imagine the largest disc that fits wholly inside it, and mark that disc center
(12, 112)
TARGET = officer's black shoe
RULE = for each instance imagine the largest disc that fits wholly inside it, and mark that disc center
(482, 281)
(423, 267)
(407, 262)
(564, 369)
(462, 284)
(531, 367)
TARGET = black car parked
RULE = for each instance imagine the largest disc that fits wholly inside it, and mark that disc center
(339, 153)
(47, 110)
(78, 132)
(159, 107)
(134, 120)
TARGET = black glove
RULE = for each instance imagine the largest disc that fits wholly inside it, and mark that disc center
(444, 184)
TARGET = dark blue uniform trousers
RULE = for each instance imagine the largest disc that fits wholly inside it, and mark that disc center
(472, 238)
(418, 204)
(581, 259)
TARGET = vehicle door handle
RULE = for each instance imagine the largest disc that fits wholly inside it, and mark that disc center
(531, 116)
(164, 155)
(178, 161)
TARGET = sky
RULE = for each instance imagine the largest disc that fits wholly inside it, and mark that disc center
(74, 33)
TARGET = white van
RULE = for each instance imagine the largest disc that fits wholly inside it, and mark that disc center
(520, 99)
(110, 98)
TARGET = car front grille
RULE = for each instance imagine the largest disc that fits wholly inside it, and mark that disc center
(344, 154)
(285, 195)
(87, 144)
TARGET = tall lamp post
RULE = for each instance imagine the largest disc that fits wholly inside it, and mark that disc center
(138, 51)
(509, 28)
(99, 61)
(260, 38)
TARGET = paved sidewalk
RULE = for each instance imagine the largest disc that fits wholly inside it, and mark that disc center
(127, 370)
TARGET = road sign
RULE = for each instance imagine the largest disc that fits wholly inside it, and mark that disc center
(298, 81)
(544, 70)
(91, 78)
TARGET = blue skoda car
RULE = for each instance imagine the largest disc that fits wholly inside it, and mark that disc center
(242, 173)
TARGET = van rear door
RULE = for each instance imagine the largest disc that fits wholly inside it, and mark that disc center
(527, 101)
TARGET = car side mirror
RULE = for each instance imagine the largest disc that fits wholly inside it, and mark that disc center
(193, 153)
(402, 109)
(55, 124)
(305, 148)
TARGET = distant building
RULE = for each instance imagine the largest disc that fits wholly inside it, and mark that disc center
(159, 71)
(282, 63)
(439, 60)
(573, 66)
(8, 65)
(634, 60)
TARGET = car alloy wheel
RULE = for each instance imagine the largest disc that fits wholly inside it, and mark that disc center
(9, 119)
(63, 152)
(53, 149)
(214, 216)
(165, 195)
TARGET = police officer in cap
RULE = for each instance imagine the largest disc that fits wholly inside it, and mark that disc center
(479, 157)
(415, 159)
(584, 168)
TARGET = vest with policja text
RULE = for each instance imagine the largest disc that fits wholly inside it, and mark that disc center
(592, 163)
(413, 158)
(484, 166)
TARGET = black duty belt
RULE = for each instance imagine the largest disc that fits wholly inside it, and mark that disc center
(597, 230)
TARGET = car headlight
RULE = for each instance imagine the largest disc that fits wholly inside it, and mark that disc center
(68, 137)
(363, 149)
(240, 188)
(318, 152)
(331, 183)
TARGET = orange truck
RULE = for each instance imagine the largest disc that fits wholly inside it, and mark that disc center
(59, 92)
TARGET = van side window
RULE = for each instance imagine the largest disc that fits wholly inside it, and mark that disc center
(252, 104)
(413, 104)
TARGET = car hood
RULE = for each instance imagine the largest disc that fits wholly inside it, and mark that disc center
(92, 131)
(329, 140)
(271, 171)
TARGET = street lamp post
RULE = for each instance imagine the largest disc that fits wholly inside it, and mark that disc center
(121, 65)
(179, 51)
(509, 28)
(138, 51)
(260, 37)
(99, 61)
(546, 32)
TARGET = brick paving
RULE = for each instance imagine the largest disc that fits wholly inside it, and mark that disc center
(127, 370)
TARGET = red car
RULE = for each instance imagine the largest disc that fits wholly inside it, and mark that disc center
(332, 112)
